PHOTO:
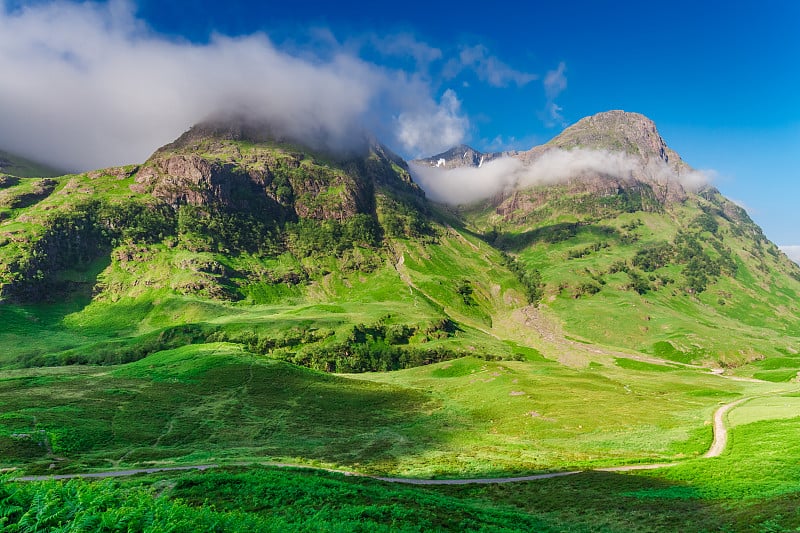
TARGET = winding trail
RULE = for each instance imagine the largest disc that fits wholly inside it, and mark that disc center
(717, 447)
(720, 431)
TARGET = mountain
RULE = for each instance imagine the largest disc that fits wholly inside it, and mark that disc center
(629, 249)
(636, 251)
(17, 166)
(242, 298)
(460, 156)
(226, 218)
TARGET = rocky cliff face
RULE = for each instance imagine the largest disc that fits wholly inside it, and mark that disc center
(632, 133)
(240, 168)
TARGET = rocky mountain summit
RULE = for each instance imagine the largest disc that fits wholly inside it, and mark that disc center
(619, 131)
(623, 153)
(460, 156)
(246, 167)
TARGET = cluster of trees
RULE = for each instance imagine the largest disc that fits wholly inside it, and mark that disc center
(208, 229)
(367, 348)
(322, 237)
(530, 278)
(654, 256)
(404, 219)
(700, 269)
(703, 258)
(379, 347)
(71, 240)
(583, 252)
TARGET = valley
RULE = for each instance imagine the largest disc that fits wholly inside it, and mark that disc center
(243, 301)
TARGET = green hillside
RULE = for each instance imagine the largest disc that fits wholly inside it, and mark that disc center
(240, 299)
(16, 166)
(680, 274)
(291, 254)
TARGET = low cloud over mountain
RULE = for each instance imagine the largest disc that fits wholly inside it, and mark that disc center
(93, 85)
(469, 184)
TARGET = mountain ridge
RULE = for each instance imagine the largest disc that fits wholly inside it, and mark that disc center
(227, 214)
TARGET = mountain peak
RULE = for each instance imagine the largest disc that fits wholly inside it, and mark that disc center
(223, 128)
(458, 157)
(618, 131)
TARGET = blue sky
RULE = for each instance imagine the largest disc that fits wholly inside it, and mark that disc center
(720, 79)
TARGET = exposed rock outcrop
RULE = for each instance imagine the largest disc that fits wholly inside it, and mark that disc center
(460, 156)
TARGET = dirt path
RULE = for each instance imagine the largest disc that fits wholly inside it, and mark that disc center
(717, 447)
(403, 480)
(720, 431)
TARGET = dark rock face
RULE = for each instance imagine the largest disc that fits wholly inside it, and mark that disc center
(261, 183)
(190, 179)
(241, 168)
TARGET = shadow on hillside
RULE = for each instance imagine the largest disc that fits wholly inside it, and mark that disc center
(608, 501)
(553, 234)
(36, 311)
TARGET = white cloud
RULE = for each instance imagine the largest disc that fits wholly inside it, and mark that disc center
(792, 252)
(488, 68)
(469, 184)
(555, 82)
(466, 185)
(433, 128)
(406, 45)
(90, 85)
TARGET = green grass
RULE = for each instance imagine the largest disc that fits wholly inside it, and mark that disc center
(517, 416)
(180, 355)
(201, 403)
(757, 308)
(217, 402)
(632, 364)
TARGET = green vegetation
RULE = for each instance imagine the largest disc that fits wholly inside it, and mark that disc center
(674, 275)
(241, 300)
